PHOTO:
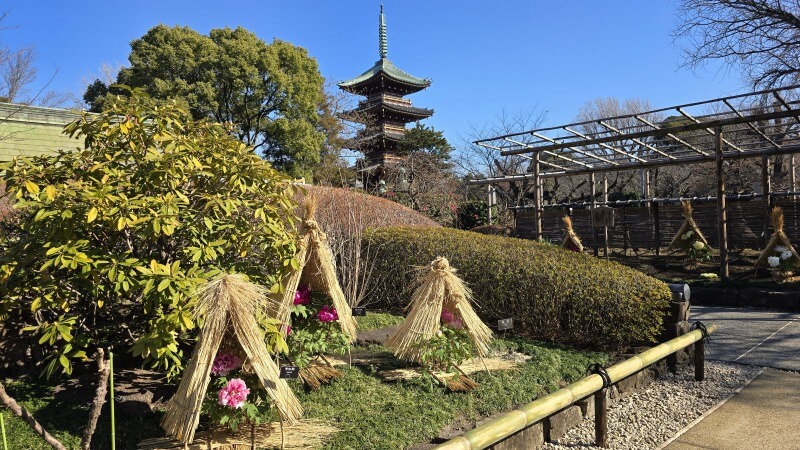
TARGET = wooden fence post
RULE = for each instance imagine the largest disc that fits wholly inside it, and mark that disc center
(700, 360)
(600, 418)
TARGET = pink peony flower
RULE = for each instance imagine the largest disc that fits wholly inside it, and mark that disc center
(447, 316)
(224, 363)
(234, 394)
(328, 314)
(449, 319)
(302, 296)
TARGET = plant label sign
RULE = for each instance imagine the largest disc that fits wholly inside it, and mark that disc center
(289, 372)
(505, 324)
(360, 311)
(603, 216)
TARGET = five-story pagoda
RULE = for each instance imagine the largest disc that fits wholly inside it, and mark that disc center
(385, 112)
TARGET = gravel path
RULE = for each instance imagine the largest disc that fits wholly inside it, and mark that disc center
(646, 419)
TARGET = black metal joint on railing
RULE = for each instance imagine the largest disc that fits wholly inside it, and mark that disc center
(598, 369)
(702, 327)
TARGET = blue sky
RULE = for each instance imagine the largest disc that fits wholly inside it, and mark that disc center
(484, 57)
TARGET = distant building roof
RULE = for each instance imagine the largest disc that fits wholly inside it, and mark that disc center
(34, 130)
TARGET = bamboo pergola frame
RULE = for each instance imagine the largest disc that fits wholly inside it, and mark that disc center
(756, 124)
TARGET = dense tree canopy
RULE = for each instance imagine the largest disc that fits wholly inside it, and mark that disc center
(273, 93)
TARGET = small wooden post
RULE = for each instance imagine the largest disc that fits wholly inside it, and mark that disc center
(593, 184)
(700, 360)
(537, 196)
(656, 227)
(722, 212)
(600, 419)
(792, 177)
(766, 190)
(605, 203)
(489, 203)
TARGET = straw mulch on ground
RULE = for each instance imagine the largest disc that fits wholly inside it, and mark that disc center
(468, 367)
(439, 288)
(229, 306)
(302, 434)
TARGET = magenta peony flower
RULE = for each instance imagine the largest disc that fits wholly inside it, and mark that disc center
(302, 296)
(234, 394)
(224, 363)
(447, 316)
(328, 314)
(450, 319)
(288, 330)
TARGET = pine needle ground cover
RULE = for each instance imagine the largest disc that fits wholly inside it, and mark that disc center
(371, 413)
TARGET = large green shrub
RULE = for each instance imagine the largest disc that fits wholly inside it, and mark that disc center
(551, 293)
(110, 242)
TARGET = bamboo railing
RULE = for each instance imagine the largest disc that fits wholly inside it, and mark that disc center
(522, 417)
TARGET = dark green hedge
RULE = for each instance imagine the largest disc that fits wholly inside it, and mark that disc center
(551, 293)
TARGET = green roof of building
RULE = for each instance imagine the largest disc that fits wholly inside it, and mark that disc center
(385, 67)
(34, 131)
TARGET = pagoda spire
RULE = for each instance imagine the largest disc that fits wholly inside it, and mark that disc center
(383, 47)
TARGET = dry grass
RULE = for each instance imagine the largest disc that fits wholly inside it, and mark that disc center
(468, 367)
(229, 306)
(316, 270)
(439, 288)
(301, 435)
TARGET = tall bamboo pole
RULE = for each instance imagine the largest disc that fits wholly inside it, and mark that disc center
(722, 212)
(111, 399)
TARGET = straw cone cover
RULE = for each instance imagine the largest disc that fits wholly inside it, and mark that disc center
(229, 306)
(317, 271)
(439, 288)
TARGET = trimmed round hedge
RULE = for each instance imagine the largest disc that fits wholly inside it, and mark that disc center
(551, 293)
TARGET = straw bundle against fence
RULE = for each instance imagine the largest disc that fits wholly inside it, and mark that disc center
(571, 240)
(688, 225)
(229, 306)
(317, 271)
(778, 238)
(439, 288)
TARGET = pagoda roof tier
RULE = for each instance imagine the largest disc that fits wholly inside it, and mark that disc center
(376, 141)
(383, 110)
(384, 76)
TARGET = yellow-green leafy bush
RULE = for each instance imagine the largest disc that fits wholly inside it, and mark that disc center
(551, 293)
(110, 242)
